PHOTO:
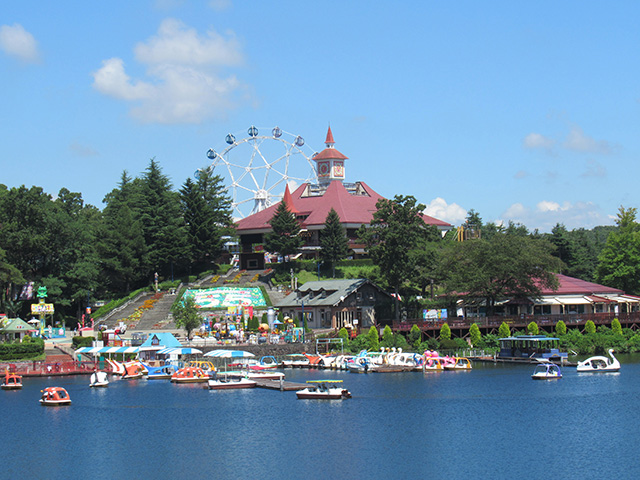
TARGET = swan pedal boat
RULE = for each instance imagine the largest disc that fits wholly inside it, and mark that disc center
(12, 381)
(547, 371)
(227, 383)
(323, 390)
(55, 397)
(99, 379)
(599, 364)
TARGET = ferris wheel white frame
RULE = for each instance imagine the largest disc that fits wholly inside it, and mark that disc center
(254, 180)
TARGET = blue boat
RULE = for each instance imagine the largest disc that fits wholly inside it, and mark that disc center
(531, 347)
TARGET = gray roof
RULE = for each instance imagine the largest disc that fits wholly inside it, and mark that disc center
(336, 292)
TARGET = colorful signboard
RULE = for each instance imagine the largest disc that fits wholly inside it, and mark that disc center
(433, 315)
(225, 297)
(40, 308)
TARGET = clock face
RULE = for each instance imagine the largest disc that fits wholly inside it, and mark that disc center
(323, 169)
(338, 169)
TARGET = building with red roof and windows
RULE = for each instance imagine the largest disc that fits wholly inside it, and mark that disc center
(355, 204)
(573, 297)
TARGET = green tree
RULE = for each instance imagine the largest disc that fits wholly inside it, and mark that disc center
(395, 229)
(387, 337)
(186, 314)
(504, 331)
(619, 261)
(344, 335)
(532, 328)
(122, 246)
(158, 207)
(510, 265)
(616, 328)
(560, 328)
(445, 332)
(333, 241)
(475, 335)
(207, 214)
(590, 327)
(415, 337)
(373, 341)
(283, 237)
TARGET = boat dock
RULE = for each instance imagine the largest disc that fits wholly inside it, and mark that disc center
(281, 385)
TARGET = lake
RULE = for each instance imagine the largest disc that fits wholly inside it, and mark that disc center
(492, 422)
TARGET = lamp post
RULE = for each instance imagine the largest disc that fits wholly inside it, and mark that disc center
(303, 322)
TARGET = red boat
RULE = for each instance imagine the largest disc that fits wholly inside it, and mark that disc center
(55, 397)
(12, 381)
(189, 375)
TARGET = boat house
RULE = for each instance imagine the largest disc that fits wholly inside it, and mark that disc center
(531, 347)
(335, 303)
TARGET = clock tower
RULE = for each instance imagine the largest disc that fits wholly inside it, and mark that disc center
(329, 162)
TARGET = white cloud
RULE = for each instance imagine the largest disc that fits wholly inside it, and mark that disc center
(184, 80)
(579, 142)
(546, 214)
(438, 208)
(17, 42)
(538, 141)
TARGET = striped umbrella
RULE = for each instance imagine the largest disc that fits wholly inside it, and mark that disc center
(229, 354)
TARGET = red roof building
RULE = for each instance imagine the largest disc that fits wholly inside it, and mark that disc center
(355, 204)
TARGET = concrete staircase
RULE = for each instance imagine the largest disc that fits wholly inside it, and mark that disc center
(159, 314)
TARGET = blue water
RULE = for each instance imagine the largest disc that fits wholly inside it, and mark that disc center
(492, 422)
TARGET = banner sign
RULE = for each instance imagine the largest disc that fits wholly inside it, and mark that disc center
(433, 315)
(224, 297)
(38, 308)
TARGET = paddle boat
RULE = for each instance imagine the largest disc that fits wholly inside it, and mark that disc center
(117, 368)
(432, 361)
(294, 360)
(460, 363)
(547, 371)
(362, 365)
(133, 371)
(255, 374)
(99, 379)
(600, 364)
(54, 397)
(226, 383)
(205, 365)
(323, 390)
(189, 375)
(160, 373)
(12, 381)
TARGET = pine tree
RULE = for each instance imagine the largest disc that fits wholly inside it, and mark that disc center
(283, 238)
(333, 241)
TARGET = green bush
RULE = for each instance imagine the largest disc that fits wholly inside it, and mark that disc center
(532, 328)
(373, 340)
(21, 351)
(504, 331)
(79, 342)
(475, 335)
(560, 328)
(445, 332)
(590, 327)
(616, 327)
(414, 338)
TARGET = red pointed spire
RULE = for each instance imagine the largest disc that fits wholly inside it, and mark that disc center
(288, 200)
(329, 141)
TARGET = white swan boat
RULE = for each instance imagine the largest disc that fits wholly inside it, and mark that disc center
(547, 371)
(600, 364)
(99, 379)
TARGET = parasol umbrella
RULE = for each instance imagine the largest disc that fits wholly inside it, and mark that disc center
(179, 351)
(229, 354)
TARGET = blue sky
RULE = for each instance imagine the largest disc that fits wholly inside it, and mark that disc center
(523, 111)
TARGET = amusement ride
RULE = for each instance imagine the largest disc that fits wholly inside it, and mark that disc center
(258, 167)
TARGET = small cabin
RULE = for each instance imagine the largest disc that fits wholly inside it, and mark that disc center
(531, 346)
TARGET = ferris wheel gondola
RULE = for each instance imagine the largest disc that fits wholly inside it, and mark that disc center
(258, 167)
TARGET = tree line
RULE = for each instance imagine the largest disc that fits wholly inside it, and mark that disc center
(81, 253)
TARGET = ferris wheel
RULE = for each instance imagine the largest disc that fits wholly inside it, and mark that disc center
(258, 167)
